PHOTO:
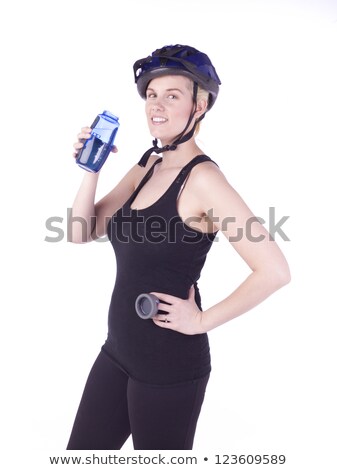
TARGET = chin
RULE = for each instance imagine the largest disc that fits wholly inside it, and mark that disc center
(163, 136)
(160, 136)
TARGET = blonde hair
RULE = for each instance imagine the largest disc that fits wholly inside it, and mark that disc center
(201, 95)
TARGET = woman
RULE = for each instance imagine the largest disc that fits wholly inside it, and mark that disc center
(150, 377)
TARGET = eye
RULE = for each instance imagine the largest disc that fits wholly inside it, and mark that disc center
(172, 97)
(150, 95)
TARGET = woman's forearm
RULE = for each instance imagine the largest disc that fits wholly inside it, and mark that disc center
(82, 217)
(256, 288)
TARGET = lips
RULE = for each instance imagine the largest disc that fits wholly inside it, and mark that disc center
(158, 120)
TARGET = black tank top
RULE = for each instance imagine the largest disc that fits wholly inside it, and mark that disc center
(156, 251)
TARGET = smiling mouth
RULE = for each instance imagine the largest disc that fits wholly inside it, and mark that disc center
(158, 120)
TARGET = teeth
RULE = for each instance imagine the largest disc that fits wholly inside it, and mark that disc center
(158, 119)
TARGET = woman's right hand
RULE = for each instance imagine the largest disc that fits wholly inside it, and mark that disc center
(81, 138)
(84, 135)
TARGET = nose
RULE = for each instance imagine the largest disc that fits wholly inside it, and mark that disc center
(156, 104)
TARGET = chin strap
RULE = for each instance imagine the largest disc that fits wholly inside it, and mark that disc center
(179, 140)
(143, 161)
(155, 149)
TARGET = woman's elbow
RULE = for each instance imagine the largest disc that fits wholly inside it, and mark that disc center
(281, 275)
(78, 237)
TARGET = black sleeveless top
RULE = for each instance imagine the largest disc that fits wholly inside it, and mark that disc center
(156, 251)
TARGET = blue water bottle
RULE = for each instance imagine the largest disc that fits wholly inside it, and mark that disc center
(97, 148)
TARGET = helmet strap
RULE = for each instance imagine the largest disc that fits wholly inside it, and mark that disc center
(180, 139)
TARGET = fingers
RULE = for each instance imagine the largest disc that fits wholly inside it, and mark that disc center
(170, 299)
(82, 136)
(85, 133)
(162, 320)
(167, 308)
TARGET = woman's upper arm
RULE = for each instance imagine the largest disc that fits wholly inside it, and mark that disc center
(110, 203)
(243, 229)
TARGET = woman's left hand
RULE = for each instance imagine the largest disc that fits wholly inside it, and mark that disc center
(182, 315)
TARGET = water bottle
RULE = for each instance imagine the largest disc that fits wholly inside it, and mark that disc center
(97, 148)
(146, 306)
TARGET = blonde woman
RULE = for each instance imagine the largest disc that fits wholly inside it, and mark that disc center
(150, 377)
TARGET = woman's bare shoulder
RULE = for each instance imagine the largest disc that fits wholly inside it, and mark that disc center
(206, 174)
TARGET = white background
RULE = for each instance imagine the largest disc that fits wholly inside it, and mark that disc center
(272, 131)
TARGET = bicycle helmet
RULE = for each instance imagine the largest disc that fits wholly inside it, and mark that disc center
(177, 60)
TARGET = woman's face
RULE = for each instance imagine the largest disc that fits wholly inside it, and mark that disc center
(169, 103)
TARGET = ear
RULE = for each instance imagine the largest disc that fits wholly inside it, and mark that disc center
(201, 107)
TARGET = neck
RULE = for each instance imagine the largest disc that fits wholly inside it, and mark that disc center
(182, 155)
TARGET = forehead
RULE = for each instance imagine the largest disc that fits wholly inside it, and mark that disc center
(171, 81)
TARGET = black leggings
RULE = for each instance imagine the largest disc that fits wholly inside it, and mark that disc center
(113, 406)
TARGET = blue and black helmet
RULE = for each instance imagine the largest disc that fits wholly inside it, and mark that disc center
(178, 60)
